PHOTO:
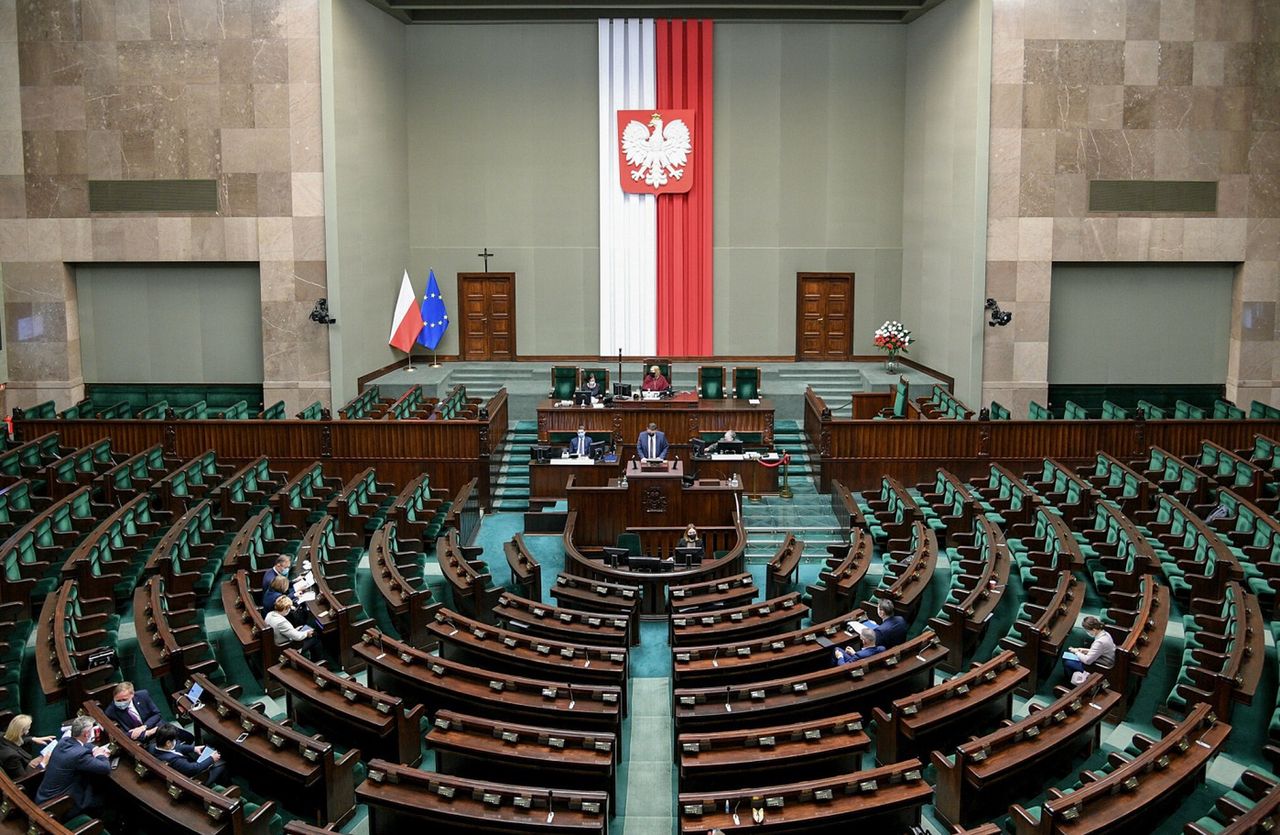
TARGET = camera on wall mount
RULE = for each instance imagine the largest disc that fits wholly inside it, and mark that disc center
(320, 313)
(999, 318)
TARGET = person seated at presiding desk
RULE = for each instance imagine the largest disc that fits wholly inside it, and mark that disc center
(652, 443)
(1101, 654)
(288, 635)
(580, 444)
(654, 381)
(591, 387)
(199, 762)
(690, 538)
(136, 713)
(891, 631)
(74, 767)
(19, 752)
(847, 655)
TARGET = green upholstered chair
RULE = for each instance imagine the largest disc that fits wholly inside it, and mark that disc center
(602, 377)
(1182, 410)
(663, 365)
(564, 381)
(275, 411)
(630, 541)
(999, 412)
(1150, 411)
(1037, 412)
(711, 382)
(1072, 410)
(1112, 411)
(746, 382)
(1226, 410)
(901, 395)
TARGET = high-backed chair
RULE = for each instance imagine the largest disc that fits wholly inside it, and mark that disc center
(746, 383)
(1037, 412)
(602, 377)
(999, 412)
(901, 395)
(564, 381)
(663, 365)
(711, 382)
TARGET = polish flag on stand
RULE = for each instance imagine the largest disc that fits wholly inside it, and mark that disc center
(406, 323)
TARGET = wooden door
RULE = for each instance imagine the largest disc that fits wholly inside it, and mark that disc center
(488, 305)
(824, 316)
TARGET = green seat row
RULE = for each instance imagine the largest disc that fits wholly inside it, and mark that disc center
(1229, 468)
(1111, 411)
(1072, 410)
(1037, 412)
(942, 404)
(154, 411)
(136, 473)
(275, 411)
(1263, 411)
(361, 406)
(999, 412)
(31, 457)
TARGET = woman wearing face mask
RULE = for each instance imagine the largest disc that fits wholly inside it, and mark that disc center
(18, 751)
(591, 386)
(286, 634)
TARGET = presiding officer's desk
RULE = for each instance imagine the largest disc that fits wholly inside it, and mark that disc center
(548, 480)
(680, 417)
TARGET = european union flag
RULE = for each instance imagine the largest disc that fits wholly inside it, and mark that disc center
(435, 319)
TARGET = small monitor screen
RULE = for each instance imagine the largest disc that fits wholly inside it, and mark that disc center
(582, 397)
(729, 447)
(689, 555)
(613, 555)
(599, 448)
(539, 453)
(621, 389)
(699, 446)
(195, 693)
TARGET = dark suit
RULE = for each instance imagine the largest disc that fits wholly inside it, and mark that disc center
(652, 448)
(184, 760)
(271, 575)
(71, 771)
(14, 758)
(892, 632)
(580, 446)
(148, 715)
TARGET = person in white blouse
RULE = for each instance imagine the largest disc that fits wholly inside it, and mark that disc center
(286, 634)
(1101, 653)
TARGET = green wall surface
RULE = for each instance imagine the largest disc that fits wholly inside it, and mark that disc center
(366, 176)
(808, 155)
(1139, 323)
(170, 323)
(945, 188)
(502, 127)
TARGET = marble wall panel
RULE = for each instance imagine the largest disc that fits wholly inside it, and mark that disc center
(1131, 89)
(110, 89)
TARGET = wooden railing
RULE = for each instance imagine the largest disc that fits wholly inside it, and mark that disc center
(860, 452)
(452, 451)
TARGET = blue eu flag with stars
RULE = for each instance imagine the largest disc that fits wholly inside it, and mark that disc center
(435, 319)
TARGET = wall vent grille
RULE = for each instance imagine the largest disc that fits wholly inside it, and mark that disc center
(189, 196)
(1148, 196)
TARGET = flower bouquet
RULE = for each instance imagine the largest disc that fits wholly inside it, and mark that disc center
(893, 338)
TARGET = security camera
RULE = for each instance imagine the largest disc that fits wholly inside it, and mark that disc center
(999, 318)
(320, 313)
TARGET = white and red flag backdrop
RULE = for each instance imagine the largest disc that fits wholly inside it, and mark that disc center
(656, 270)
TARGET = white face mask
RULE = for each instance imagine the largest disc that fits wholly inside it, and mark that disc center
(581, 433)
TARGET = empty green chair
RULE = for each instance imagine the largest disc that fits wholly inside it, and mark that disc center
(275, 411)
(1037, 412)
(1074, 411)
(1183, 410)
(1150, 411)
(630, 541)
(901, 394)
(711, 382)
(1110, 411)
(998, 412)
(1226, 410)
(313, 411)
(746, 382)
(564, 381)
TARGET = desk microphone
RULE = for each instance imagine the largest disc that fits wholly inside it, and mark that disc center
(572, 701)
(551, 813)
(736, 821)
(714, 662)
(728, 707)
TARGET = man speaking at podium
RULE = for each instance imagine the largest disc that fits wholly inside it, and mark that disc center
(652, 443)
(580, 444)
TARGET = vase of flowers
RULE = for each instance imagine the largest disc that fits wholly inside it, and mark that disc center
(893, 338)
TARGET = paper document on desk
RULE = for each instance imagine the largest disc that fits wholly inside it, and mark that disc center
(306, 597)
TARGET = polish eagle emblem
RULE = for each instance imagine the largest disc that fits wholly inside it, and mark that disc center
(656, 151)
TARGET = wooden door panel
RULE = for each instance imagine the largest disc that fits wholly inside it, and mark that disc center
(488, 320)
(824, 316)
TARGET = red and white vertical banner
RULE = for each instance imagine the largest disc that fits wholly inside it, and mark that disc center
(628, 221)
(656, 270)
(686, 274)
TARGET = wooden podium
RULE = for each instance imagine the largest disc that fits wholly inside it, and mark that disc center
(650, 498)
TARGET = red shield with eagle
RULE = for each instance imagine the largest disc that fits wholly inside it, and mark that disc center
(655, 151)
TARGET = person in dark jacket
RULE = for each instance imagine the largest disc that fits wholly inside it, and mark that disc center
(847, 655)
(891, 631)
(185, 758)
(136, 712)
(74, 768)
(19, 752)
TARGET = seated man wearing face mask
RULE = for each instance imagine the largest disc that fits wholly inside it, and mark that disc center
(580, 444)
(135, 712)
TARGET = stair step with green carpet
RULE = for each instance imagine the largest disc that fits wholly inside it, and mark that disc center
(511, 494)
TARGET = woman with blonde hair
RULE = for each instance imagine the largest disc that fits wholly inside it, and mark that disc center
(19, 752)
